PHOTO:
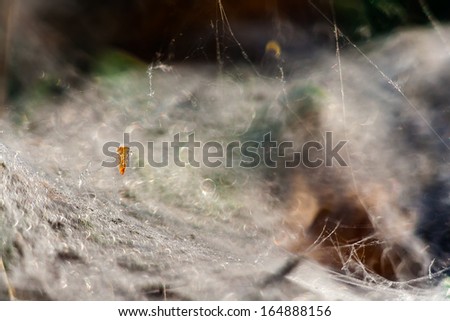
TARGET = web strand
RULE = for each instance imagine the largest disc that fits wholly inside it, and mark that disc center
(386, 78)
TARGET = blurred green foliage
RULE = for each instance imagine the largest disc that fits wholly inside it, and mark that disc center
(114, 62)
(362, 19)
(303, 102)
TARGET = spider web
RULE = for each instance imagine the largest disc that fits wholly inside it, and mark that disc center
(223, 29)
(239, 213)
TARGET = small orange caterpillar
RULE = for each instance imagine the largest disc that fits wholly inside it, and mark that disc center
(123, 152)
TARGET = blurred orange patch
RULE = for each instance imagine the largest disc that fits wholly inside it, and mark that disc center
(273, 48)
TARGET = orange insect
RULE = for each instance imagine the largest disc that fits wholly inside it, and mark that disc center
(123, 152)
